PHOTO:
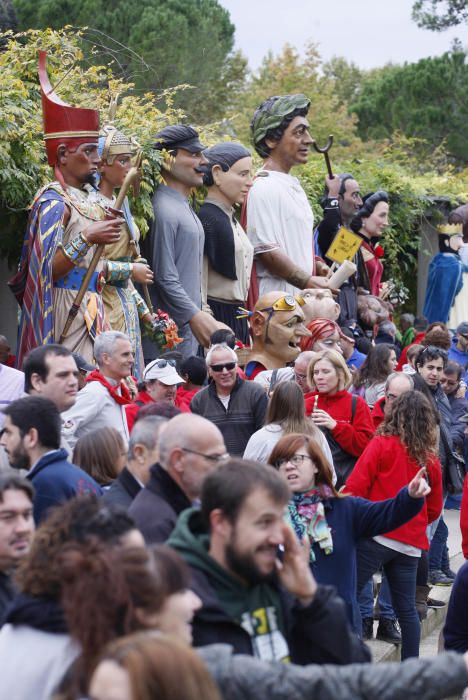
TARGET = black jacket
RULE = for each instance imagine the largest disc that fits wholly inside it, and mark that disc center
(157, 506)
(124, 489)
(244, 415)
(319, 633)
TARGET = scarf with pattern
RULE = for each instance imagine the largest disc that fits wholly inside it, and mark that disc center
(306, 515)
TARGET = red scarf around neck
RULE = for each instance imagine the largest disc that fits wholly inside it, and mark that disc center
(122, 399)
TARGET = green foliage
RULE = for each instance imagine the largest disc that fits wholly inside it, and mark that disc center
(411, 199)
(427, 100)
(23, 163)
(438, 15)
(157, 44)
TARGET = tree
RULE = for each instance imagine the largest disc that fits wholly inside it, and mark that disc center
(438, 15)
(157, 44)
(7, 16)
(23, 163)
(287, 73)
(427, 100)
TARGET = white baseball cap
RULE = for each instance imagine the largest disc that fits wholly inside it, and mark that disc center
(164, 371)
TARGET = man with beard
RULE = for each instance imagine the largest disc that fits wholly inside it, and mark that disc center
(340, 205)
(16, 531)
(63, 229)
(260, 606)
(177, 239)
(31, 438)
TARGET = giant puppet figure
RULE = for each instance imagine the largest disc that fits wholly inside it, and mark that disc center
(280, 222)
(63, 229)
(124, 306)
(277, 327)
(446, 299)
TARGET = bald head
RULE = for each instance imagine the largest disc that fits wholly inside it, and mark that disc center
(300, 369)
(397, 383)
(189, 449)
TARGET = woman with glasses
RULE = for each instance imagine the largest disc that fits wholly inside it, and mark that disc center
(345, 419)
(405, 442)
(333, 523)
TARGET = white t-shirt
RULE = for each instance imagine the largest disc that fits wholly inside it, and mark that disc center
(279, 216)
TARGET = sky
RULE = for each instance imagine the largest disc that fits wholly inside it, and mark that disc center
(370, 33)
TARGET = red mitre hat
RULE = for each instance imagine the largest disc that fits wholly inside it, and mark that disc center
(63, 123)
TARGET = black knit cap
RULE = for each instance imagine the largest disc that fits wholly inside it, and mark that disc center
(178, 136)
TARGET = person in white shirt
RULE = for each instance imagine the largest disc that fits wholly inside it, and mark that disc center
(280, 222)
(102, 401)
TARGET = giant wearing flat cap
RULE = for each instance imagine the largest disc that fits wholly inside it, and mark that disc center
(177, 240)
(280, 222)
(63, 229)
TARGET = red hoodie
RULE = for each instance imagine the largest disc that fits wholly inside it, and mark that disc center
(464, 518)
(378, 412)
(132, 409)
(353, 436)
(403, 357)
(382, 470)
(184, 396)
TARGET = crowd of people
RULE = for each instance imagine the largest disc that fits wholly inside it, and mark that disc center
(203, 515)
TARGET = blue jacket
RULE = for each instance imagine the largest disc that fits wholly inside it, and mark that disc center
(356, 359)
(350, 519)
(456, 623)
(457, 355)
(56, 480)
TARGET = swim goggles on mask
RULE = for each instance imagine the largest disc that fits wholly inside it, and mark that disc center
(286, 303)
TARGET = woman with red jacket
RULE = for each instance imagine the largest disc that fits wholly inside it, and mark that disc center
(405, 442)
(345, 419)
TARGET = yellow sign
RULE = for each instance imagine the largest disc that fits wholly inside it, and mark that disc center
(345, 245)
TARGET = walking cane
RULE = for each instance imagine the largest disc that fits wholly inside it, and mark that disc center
(324, 151)
(132, 174)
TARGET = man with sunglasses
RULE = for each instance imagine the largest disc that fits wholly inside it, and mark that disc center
(236, 406)
(190, 448)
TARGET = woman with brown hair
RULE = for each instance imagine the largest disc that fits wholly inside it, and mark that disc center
(333, 524)
(369, 380)
(102, 454)
(405, 442)
(285, 415)
(146, 667)
(345, 419)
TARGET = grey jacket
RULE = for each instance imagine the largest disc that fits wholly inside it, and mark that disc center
(242, 677)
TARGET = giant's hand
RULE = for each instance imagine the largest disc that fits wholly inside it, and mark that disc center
(103, 232)
(203, 325)
(294, 571)
(141, 272)
(315, 282)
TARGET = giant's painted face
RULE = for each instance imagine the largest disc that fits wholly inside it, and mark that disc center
(319, 303)
(371, 310)
(278, 327)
